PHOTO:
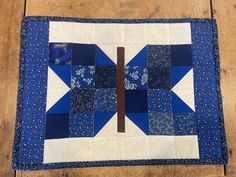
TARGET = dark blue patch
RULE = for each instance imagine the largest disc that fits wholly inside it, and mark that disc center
(62, 105)
(135, 101)
(178, 106)
(105, 77)
(140, 59)
(83, 54)
(105, 99)
(60, 53)
(177, 73)
(159, 55)
(185, 124)
(159, 100)
(63, 71)
(141, 120)
(160, 123)
(102, 59)
(159, 78)
(100, 119)
(83, 76)
(181, 55)
(57, 126)
(81, 125)
(82, 100)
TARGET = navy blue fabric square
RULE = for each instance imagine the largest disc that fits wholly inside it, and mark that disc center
(57, 126)
(159, 78)
(159, 55)
(159, 100)
(60, 53)
(105, 99)
(105, 77)
(82, 100)
(136, 101)
(81, 125)
(83, 54)
(160, 123)
(83, 76)
(136, 77)
(181, 55)
(184, 123)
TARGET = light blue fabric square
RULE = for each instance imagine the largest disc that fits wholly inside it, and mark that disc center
(83, 76)
(160, 123)
(136, 77)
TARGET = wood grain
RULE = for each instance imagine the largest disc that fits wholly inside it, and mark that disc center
(10, 18)
(225, 14)
(11, 13)
(123, 9)
(120, 8)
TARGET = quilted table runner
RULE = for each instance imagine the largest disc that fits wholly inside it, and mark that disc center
(101, 92)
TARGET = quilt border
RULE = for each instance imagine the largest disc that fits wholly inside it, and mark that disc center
(40, 166)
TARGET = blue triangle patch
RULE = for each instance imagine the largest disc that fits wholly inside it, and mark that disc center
(63, 71)
(100, 119)
(140, 59)
(62, 105)
(178, 72)
(102, 59)
(178, 106)
(141, 120)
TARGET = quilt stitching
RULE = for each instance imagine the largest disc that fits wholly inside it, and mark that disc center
(147, 162)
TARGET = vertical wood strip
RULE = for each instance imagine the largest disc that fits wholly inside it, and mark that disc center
(11, 12)
(120, 85)
(225, 14)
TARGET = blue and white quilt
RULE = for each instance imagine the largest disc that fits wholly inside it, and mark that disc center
(99, 92)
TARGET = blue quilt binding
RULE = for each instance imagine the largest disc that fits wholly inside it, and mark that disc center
(40, 166)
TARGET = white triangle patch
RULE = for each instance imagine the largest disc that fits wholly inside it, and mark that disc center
(130, 51)
(110, 50)
(185, 89)
(110, 129)
(56, 88)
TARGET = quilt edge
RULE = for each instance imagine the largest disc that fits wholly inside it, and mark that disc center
(219, 96)
(21, 76)
(15, 151)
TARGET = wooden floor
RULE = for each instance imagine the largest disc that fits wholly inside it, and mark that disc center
(11, 13)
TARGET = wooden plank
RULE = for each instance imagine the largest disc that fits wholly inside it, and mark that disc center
(10, 18)
(119, 8)
(225, 14)
(124, 9)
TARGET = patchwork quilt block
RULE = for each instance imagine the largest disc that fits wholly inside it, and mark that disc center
(118, 92)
